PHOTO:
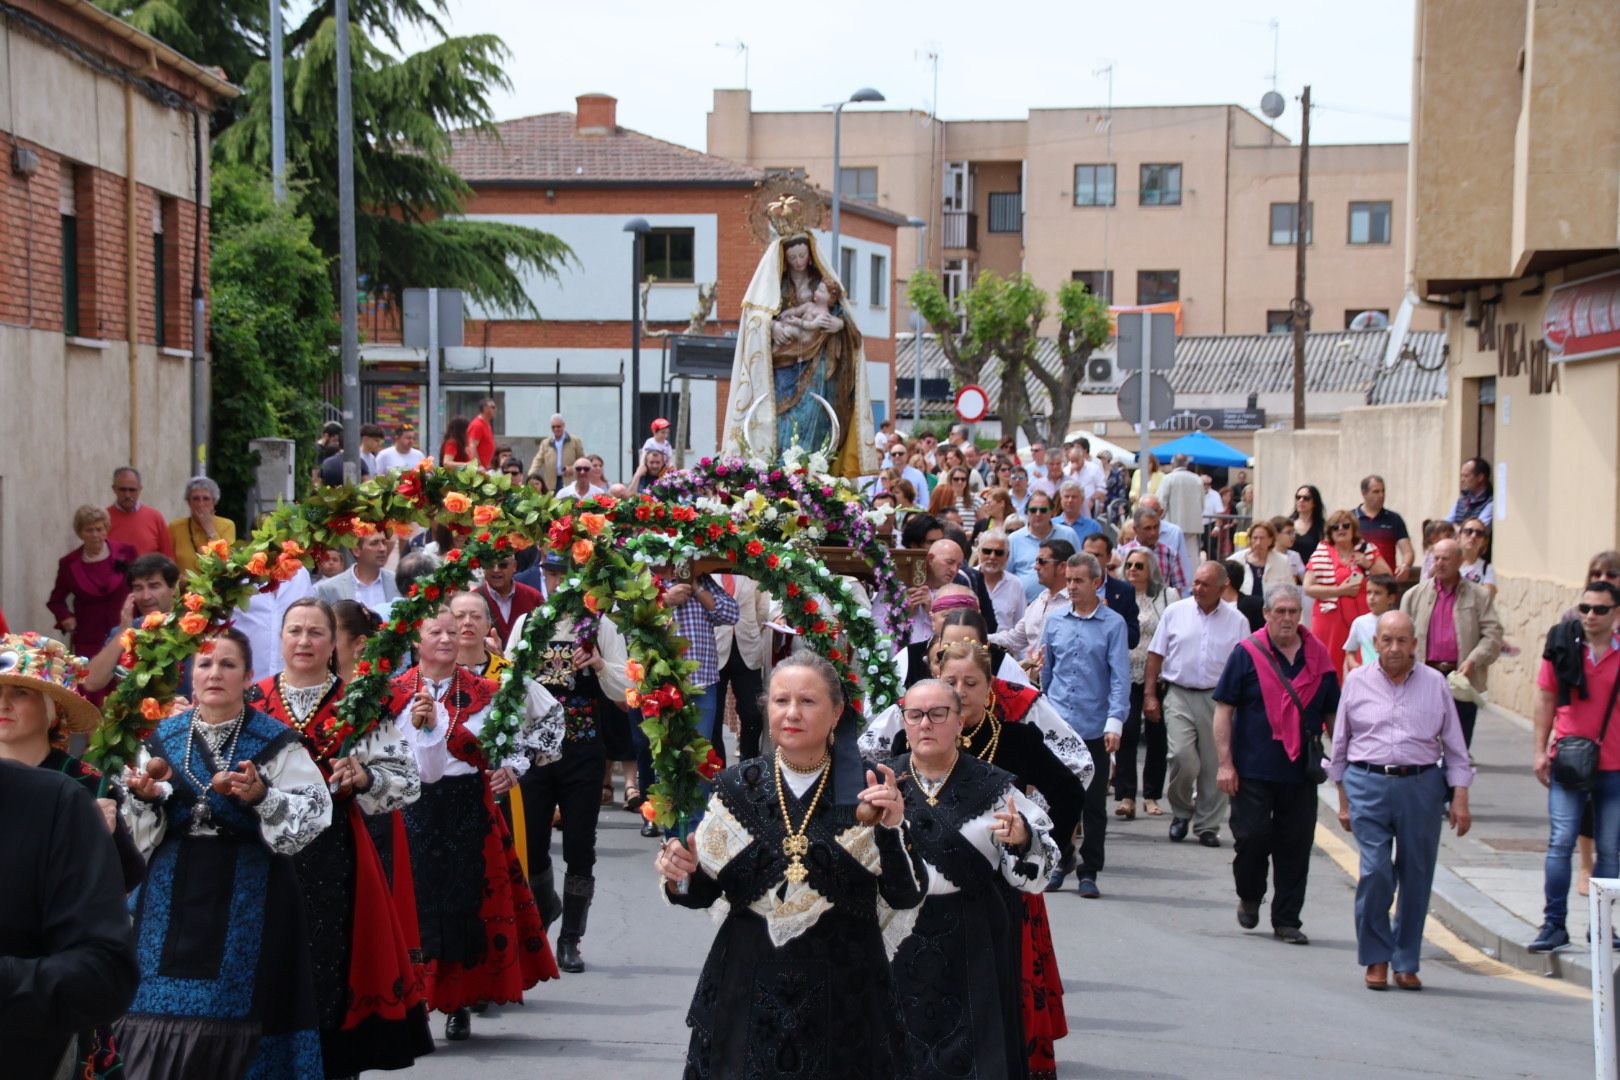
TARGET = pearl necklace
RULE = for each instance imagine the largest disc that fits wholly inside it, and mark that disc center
(303, 701)
(225, 756)
(796, 845)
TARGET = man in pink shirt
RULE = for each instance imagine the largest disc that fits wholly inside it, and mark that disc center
(139, 526)
(1575, 698)
(1397, 744)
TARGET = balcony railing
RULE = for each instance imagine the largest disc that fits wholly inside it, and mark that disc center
(961, 230)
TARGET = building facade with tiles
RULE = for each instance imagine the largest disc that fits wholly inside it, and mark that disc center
(105, 214)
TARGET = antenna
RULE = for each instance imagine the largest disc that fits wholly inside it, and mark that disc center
(1276, 34)
(740, 47)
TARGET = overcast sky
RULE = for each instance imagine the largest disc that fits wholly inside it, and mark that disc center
(996, 60)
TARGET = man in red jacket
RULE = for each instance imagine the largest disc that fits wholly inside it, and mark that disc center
(508, 599)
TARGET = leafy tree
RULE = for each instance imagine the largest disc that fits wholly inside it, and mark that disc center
(997, 320)
(405, 105)
(274, 328)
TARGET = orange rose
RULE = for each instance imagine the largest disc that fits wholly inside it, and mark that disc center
(583, 550)
(292, 547)
(193, 623)
(591, 604)
(521, 542)
(594, 523)
(286, 567)
(126, 641)
(457, 503)
(403, 529)
(193, 601)
(648, 810)
(220, 548)
(632, 698)
(153, 710)
(425, 465)
(483, 515)
(153, 620)
(364, 528)
(258, 564)
(634, 671)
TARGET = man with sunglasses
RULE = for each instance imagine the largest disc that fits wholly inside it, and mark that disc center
(1006, 592)
(1575, 698)
(1039, 527)
(1457, 627)
(581, 488)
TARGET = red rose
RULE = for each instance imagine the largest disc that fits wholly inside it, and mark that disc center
(432, 592)
(711, 766)
(453, 555)
(772, 561)
(606, 502)
(755, 548)
(834, 655)
(819, 626)
(811, 607)
(399, 626)
(363, 667)
(643, 512)
(792, 589)
(716, 531)
(386, 664)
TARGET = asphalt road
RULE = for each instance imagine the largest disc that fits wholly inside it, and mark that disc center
(1159, 980)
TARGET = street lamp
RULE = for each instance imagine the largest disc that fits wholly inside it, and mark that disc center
(639, 229)
(866, 93)
(916, 322)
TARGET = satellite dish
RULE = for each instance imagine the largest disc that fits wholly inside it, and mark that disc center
(1370, 320)
(1272, 104)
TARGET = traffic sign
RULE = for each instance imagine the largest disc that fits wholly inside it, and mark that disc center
(1129, 354)
(972, 403)
(1161, 399)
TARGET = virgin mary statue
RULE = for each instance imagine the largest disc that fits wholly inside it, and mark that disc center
(799, 375)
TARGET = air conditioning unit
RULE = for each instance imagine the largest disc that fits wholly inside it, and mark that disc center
(1099, 369)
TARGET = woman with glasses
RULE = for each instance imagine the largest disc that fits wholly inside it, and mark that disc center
(1308, 521)
(1336, 578)
(953, 494)
(1475, 539)
(1141, 570)
(972, 986)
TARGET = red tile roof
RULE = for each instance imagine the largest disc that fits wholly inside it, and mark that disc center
(547, 149)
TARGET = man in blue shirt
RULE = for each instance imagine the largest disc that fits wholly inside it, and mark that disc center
(1086, 672)
(1025, 544)
(1072, 498)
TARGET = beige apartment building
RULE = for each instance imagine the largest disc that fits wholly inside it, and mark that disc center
(1187, 205)
(1515, 225)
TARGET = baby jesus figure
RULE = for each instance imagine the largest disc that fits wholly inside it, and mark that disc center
(800, 320)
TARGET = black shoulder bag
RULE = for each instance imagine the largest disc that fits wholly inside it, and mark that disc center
(1311, 752)
(1575, 760)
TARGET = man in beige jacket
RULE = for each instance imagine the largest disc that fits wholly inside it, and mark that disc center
(1457, 627)
(556, 455)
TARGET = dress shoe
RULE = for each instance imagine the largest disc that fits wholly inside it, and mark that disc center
(1248, 914)
(1408, 980)
(1088, 889)
(1209, 839)
(1378, 976)
(1290, 935)
(1055, 880)
(648, 829)
(1178, 829)
(458, 1026)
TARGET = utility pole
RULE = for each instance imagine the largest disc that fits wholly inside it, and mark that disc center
(348, 269)
(1301, 306)
(917, 325)
(278, 108)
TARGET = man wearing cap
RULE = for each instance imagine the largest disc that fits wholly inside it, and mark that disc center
(67, 952)
(552, 460)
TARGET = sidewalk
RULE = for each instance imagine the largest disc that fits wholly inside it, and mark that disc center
(1488, 886)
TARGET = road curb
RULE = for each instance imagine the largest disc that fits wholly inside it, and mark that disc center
(1475, 917)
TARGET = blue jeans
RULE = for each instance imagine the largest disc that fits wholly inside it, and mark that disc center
(1396, 821)
(1564, 811)
(708, 706)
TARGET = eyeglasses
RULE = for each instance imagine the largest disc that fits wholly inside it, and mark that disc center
(999, 553)
(1473, 532)
(1044, 561)
(126, 490)
(958, 479)
(937, 715)
(1304, 495)
(1346, 525)
(583, 471)
(1612, 575)
(1039, 509)
(1136, 566)
(1594, 609)
(1003, 468)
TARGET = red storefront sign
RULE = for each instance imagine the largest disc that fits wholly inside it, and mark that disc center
(1583, 318)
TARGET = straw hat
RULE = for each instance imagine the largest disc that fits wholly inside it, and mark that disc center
(45, 665)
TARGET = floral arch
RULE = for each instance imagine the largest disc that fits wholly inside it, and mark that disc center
(757, 520)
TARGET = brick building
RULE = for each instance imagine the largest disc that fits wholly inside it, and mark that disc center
(581, 177)
(102, 205)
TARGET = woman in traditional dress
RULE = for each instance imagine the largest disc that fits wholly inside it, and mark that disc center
(481, 935)
(797, 981)
(368, 995)
(1016, 729)
(959, 972)
(38, 711)
(355, 625)
(224, 796)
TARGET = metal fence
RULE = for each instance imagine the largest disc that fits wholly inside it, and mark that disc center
(1606, 1055)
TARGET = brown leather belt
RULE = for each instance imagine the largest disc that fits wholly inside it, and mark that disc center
(1442, 666)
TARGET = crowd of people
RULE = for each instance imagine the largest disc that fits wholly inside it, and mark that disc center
(300, 905)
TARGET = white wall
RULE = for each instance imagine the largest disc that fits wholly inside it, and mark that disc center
(598, 286)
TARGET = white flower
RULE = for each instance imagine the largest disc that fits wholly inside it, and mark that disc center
(547, 612)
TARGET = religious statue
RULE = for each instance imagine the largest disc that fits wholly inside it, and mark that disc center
(799, 376)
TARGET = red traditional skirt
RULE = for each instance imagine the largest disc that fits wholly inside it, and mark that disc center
(482, 940)
(1044, 1022)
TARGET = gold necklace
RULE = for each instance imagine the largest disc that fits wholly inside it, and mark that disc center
(965, 740)
(795, 845)
(811, 771)
(931, 788)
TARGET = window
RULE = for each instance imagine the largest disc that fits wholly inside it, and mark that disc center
(169, 309)
(1285, 222)
(954, 279)
(1161, 185)
(1158, 286)
(1369, 222)
(69, 209)
(1377, 318)
(159, 308)
(1094, 185)
(880, 282)
(858, 183)
(1006, 213)
(669, 255)
(1097, 282)
(846, 270)
(1280, 322)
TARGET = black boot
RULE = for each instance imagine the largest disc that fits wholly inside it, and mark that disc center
(544, 886)
(577, 892)
(458, 1026)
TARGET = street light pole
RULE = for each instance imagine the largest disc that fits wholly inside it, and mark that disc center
(916, 323)
(348, 271)
(1302, 307)
(866, 93)
(278, 108)
(639, 229)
